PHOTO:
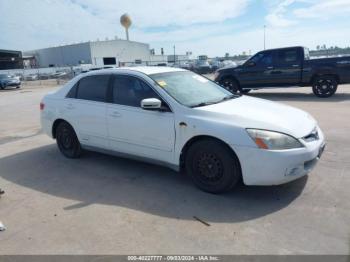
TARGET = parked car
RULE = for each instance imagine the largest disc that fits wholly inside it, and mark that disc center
(227, 64)
(177, 118)
(202, 67)
(44, 76)
(59, 74)
(284, 67)
(8, 80)
(186, 65)
(31, 77)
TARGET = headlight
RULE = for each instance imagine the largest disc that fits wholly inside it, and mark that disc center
(216, 74)
(273, 140)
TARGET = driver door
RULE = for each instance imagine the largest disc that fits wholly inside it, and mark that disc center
(258, 71)
(136, 131)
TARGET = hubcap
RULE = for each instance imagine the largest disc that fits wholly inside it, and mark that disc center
(209, 167)
(230, 85)
(66, 139)
(325, 86)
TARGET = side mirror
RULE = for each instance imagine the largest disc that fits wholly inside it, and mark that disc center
(151, 104)
(250, 64)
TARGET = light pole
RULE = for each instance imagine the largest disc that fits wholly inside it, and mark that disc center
(174, 55)
(264, 37)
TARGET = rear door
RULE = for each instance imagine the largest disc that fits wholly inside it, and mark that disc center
(287, 68)
(85, 108)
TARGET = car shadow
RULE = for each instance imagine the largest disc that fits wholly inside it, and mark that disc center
(98, 178)
(290, 96)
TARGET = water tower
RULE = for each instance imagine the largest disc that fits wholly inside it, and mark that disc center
(125, 20)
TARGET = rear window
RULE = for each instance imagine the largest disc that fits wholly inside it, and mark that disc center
(93, 88)
(287, 56)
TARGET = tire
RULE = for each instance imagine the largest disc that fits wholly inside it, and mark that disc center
(2, 87)
(324, 86)
(212, 166)
(18, 87)
(245, 91)
(230, 84)
(67, 140)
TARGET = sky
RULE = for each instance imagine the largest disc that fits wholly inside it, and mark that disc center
(210, 27)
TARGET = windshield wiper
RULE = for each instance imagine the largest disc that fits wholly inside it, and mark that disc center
(215, 102)
(229, 97)
(203, 104)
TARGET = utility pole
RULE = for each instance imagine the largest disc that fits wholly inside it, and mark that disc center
(264, 37)
(174, 55)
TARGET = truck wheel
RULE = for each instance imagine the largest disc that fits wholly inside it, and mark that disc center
(67, 140)
(212, 166)
(230, 84)
(324, 86)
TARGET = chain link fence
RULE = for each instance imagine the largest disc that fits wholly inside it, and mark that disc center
(53, 76)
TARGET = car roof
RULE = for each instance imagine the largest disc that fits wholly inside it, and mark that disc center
(148, 70)
(282, 48)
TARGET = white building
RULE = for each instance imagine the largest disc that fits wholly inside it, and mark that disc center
(98, 53)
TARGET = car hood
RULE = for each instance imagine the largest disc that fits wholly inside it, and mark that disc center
(249, 112)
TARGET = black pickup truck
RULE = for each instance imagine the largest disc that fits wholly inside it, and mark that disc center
(286, 67)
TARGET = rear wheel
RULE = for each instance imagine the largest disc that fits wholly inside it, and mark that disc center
(67, 140)
(212, 166)
(324, 86)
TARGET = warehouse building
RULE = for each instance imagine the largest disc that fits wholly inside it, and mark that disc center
(10, 59)
(99, 53)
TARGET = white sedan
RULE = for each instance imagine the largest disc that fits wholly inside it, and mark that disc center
(177, 118)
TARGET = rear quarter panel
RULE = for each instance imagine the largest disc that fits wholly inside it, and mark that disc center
(339, 66)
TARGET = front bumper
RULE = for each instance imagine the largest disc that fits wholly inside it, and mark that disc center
(275, 167)
(12, 84)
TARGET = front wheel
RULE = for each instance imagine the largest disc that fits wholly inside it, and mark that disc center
(324, 86)
(67, 140)
(230, 84)
(212, 166)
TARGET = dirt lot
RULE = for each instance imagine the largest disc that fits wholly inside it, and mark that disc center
(106, 205)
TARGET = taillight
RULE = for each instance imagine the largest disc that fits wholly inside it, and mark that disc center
(42, 106)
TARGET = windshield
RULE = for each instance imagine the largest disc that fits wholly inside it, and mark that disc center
(190, 89)
(4, 76)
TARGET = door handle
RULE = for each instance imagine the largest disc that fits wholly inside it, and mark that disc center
(295, 65)
(270, 67)
(115, 114)
(276, 72)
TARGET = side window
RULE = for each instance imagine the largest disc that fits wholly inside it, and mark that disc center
(287, 56)
(130, 91)
(256, 58)
(73, 91)
(262, 59)
(93, 88)
(266, 59)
